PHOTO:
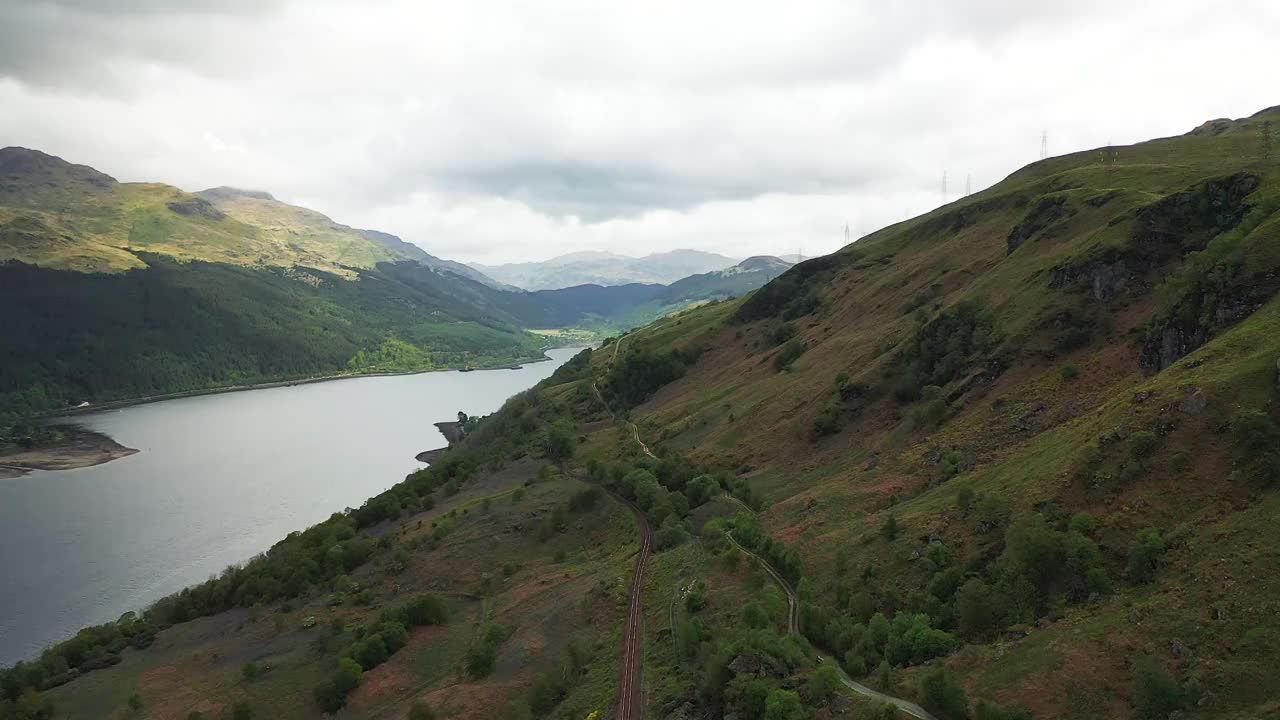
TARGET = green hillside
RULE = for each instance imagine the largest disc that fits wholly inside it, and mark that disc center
(125, 290)
(1015, 458)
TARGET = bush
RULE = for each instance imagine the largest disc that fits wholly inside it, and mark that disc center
(1142, 444)
(977, 608)
(827, 422)
(242, 711)
(1083, 523)
(788, 354)
(1156, 693)
(889, 531)
(1069, 371)
(1144, 555)
(249, 670)
(943, 695)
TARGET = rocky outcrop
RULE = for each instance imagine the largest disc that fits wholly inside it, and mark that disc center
(1164, 231)
(196, 207)
(1046, 212)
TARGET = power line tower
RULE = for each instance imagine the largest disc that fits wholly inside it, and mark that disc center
(846, 233)
(968, 185)
(944, 187)
(1108, 157)
(1044, 144)
(1266, 139)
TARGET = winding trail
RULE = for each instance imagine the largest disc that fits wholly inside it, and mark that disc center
(630, 701)
(793, 627)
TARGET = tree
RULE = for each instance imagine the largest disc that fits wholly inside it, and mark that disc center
(249, 671)
(348, 676)
(1144, 555)
(135, 702)
(783, 705)
(943, 695)
(1155, 690)
(822, 685)
(560, 442)
(889, 531)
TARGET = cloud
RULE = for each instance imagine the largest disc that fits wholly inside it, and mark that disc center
(509, 130)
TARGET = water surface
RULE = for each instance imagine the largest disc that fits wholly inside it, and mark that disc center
(219, 479)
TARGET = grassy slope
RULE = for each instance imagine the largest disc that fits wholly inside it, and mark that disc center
(69, 217)
(545, 603)
(121, 290)
(1021, 437)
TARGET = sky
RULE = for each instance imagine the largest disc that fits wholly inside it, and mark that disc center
(511, 131)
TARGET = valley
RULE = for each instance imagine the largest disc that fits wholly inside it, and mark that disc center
(1013, 458)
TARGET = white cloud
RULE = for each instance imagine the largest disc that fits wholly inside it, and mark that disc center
(499, 131)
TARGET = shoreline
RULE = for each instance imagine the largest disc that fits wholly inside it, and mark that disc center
(130, 402)
(87, 448)
(80, 449)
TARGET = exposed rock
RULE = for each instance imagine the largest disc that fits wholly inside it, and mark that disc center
(1046, 211)
(1194, 403)
(1142, 396)
(1177, 648)
(872, 464)
(1116, 434)
(744, 665)
(196, 207)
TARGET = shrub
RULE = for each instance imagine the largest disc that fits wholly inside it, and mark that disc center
(788, 354)
(135, 702)
(1083, 523)
(964, 498)
(1155, 690)
(1069, 371)
(943, 695)
(889, 531)
(1142, 444)
(242, 711)
(827, 422)
(1144, 555)
(249, 670)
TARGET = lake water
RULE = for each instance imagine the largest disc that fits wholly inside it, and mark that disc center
(219, 479)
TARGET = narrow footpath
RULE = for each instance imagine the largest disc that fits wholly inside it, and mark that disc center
(793, 627)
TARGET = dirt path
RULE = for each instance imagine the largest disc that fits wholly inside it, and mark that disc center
(631, 675)
(793, 626)
(635, 431)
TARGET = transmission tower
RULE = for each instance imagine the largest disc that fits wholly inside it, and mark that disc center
(967, 185)
(846, 234)
(1266, 139)
(944, 187)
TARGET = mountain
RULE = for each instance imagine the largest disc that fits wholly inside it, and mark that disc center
(1013, 458)
(414, 252)
(603, 268)
(123, 290)
(627, 306)
(119, 290)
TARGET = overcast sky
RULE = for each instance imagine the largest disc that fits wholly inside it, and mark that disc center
(492, 131)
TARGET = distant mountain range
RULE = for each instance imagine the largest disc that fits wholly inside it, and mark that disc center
(605, 268)
(118, 290)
